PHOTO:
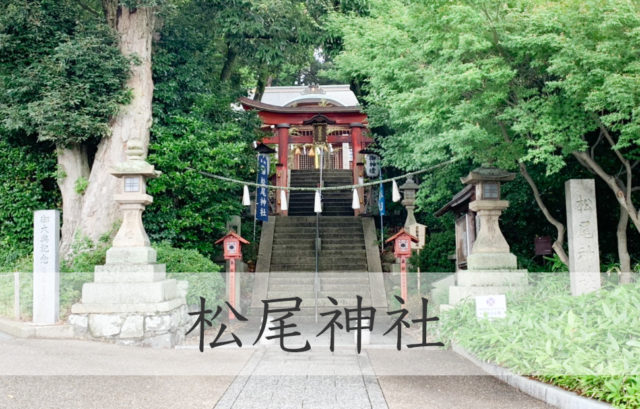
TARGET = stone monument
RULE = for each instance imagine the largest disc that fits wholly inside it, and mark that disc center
(491, 268)
(131, 301)
(46, 266)
(582, 229)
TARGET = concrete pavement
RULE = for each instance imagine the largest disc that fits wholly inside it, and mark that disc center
(69, 374)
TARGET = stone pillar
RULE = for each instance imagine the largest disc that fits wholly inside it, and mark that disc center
(582, 228)
(46, 266)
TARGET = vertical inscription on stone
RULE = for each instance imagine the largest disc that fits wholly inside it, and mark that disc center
(46, 276)
(582, 226)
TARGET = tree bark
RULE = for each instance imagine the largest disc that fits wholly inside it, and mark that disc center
(73, 164)
(99, 212)
(229, 61)
(623, 198)
(623, 251)
(260, 85)
(558, 244)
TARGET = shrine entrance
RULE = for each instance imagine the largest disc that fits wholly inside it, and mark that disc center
(312, 127)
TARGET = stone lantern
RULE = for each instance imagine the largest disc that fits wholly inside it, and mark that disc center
(490, 251)
(131, 301)
(131, 243)
(409, 189)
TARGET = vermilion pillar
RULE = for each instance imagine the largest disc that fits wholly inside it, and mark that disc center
(356, 164)
(282, 166)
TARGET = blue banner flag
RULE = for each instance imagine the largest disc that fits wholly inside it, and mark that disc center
(262, 199)
(381, 205)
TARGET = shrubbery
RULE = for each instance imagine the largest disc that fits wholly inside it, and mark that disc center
(202, 274)
(589, 344)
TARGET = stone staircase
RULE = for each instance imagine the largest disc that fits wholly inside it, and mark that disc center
(348, 259)
(342, 244)
(334, 203)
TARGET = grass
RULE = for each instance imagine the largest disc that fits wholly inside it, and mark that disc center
(588, 344)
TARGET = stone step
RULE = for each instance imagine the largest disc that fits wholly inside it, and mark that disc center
(327, 249)
(333, 286)
(308, 299)
(280, 282)
(325, 275)
(322, 260)
(309, 239)
(322, 267)
(324, 231)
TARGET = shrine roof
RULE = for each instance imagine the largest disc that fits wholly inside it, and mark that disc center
(337, 95)
(261, 106)
(459, 198)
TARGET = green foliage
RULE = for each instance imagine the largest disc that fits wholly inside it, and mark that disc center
(27, 183)
(81, 185)
(184, 261)
(196, 126)
(494, 84)
(434, 257)
(588, 344)
(61, 80)
(201, 273)
(190, 210)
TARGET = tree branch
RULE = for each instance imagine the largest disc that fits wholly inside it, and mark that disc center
(88, 8)
(558, 244)
(624, 200)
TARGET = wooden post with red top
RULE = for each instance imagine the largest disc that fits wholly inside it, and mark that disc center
(232, 244)
(402, 250)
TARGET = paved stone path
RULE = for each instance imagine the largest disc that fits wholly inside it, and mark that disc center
(321, 379)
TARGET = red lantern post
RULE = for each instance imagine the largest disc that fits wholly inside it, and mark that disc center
(232, 244)
(402, 250)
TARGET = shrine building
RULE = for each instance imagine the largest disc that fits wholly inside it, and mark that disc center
(305, 123)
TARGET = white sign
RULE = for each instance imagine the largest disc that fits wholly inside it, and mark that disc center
(46, 271)
(419, 231)
(491, 306)
(372, 166)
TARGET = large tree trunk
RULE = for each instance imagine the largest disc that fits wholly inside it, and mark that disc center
(558, 244)
(623, 251)
(99, 212)
(73, 165)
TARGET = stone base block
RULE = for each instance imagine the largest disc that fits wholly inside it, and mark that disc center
(151, 308)
(491, 278)
(129, 293)
(459, 293)
(131, 255)
(492, 261)
(129, 273)
(155, 329)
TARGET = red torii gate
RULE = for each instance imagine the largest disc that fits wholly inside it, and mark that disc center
(280, 119)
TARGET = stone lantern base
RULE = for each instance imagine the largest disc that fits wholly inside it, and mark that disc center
(469, 284)
(132, 304)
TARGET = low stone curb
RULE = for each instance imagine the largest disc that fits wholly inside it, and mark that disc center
(549, 394)
(21, 329)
